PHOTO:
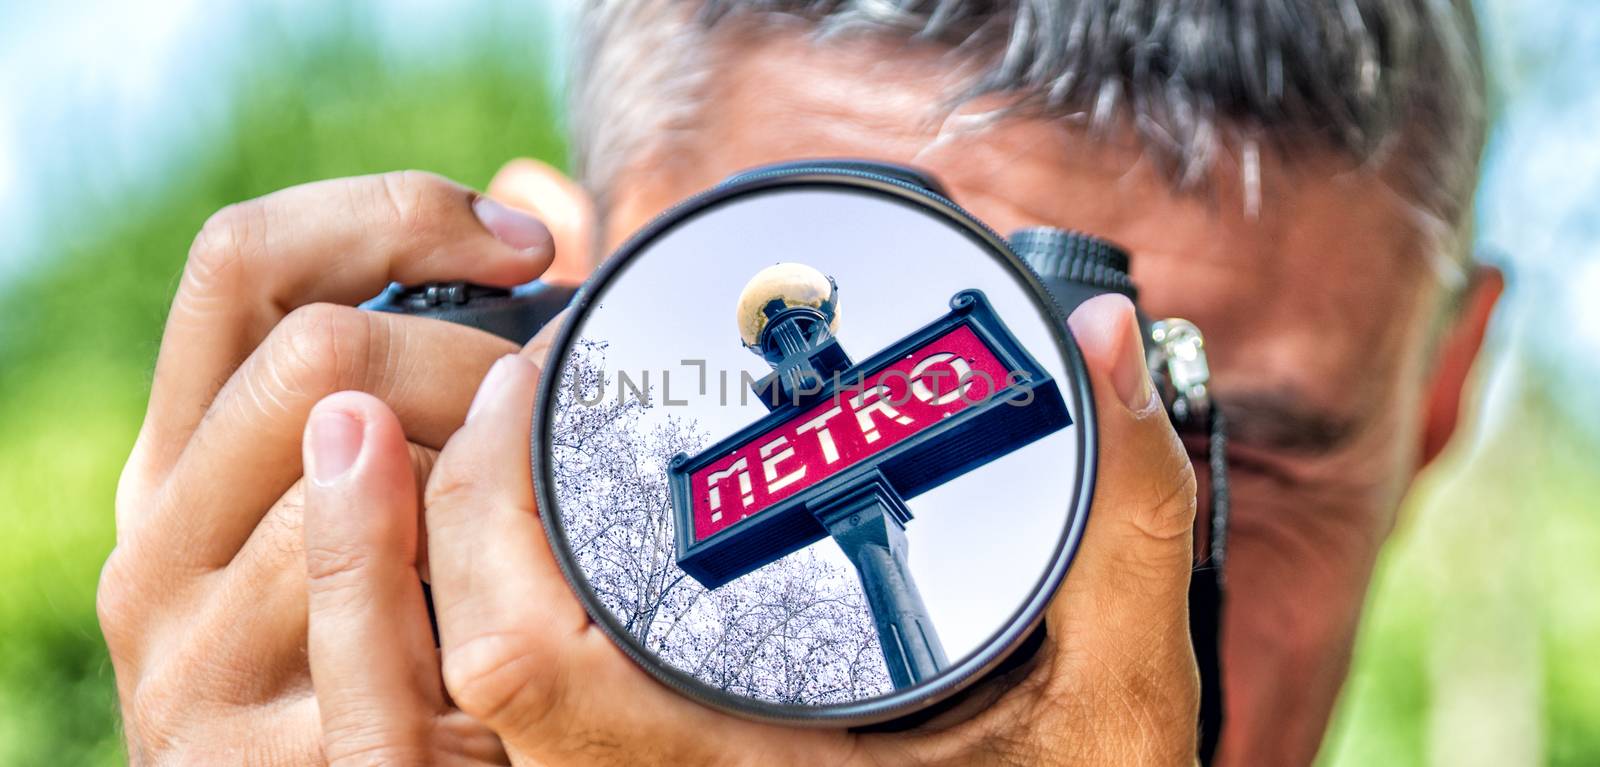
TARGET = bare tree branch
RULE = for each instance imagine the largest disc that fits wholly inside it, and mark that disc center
(796, 631)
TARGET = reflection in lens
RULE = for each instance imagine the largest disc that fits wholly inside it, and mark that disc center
(810, 448)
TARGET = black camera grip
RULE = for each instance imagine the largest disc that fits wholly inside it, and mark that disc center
(514, 314)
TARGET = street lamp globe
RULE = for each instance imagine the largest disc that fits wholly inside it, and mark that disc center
(800, 295)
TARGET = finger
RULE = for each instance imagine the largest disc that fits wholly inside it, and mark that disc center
(1120, 624)
(245, 454)
(563, 205)
(501, 601)
(1129, 585)
(257, 614)
(373, 663)
(337, 241)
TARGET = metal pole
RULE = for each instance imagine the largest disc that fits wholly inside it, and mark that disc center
(867, 519)
(869, 524)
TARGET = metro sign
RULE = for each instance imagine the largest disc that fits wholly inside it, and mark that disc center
(950, 397)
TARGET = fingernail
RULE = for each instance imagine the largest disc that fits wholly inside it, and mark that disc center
(1131, 376)
(1109, 320)
(511, 226)
(335, 444)
(496, 380)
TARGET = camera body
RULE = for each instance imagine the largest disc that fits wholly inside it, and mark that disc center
(1072, 267)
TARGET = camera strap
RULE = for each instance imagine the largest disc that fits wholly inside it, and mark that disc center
(1207, 589)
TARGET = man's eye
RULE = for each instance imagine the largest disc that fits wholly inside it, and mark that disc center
(1283, 422)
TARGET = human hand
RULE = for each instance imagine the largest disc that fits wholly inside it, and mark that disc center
(204, 600)
(1115, 683)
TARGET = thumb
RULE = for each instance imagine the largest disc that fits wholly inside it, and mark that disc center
(564, 207)
(1133, 566)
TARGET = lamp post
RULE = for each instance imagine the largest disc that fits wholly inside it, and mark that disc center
(788, 314)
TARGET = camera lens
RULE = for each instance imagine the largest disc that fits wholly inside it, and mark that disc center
(816, 447)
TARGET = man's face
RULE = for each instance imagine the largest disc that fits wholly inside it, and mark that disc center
(1317, 312)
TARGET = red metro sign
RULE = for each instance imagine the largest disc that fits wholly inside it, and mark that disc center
(861, 419)
(952, 396)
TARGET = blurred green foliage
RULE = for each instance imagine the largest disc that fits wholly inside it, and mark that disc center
(1483, 628)
(75, 366)
(1481, 641)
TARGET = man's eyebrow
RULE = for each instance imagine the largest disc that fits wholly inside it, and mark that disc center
(1284, 420)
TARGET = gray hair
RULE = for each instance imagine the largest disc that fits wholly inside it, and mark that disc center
(1393, 84)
